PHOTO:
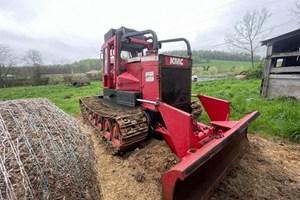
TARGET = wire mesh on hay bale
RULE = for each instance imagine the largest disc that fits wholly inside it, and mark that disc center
(44, 154)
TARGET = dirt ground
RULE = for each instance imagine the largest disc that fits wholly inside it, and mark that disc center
(270, 169)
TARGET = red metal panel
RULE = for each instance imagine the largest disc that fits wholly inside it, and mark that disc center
(194, 161)
(131, 79)
(150, 80)
(135, 69)
(196, 148)
(127, 81)
(217, 109)
(179, 125)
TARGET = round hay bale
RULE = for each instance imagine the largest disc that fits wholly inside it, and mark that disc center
(44, 153)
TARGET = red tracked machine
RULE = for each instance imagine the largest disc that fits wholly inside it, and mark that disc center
(146, 92)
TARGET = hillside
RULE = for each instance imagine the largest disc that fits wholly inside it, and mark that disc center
(220, 67)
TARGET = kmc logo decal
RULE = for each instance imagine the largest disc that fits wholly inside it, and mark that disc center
(176, 61)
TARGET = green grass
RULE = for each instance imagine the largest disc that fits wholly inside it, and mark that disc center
(279, 116)
(221, 67)
(226, 65)
(65, 97)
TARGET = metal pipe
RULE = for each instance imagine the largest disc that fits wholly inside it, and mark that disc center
(137, 33)
(188, 46)
(147, 101)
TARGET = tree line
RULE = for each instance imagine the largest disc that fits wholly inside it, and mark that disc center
(81, 66)
(200, 56)
(33, 71)
(29, 68)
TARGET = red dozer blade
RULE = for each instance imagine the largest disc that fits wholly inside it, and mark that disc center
(202, 168)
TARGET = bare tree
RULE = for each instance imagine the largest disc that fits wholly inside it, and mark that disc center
(248, 31)
(7, 61)
(295, 10)
(33, 59)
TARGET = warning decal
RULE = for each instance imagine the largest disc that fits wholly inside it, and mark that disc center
(149, 76)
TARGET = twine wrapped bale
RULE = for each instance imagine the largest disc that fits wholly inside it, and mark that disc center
(44, 154)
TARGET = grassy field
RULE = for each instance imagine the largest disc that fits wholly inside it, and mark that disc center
(221, 67)
(279, 116)
(65, 97)
(227, 64)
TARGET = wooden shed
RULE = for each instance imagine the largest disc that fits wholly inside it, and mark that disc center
(281, 76)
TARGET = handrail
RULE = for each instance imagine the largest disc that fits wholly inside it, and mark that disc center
(188, 46)
(137, 33)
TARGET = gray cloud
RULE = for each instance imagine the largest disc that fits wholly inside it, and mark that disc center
(21, 11)
(52, 49)
(74, 30)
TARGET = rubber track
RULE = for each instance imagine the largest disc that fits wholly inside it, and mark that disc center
(132, 122)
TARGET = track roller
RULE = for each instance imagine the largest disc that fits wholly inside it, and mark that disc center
(124, 129)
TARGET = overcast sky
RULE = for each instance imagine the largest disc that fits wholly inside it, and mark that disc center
(73, 29)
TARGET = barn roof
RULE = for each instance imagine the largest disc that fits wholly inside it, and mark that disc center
(281, 37)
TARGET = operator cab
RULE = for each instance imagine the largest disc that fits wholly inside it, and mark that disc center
(133, 70)
(118, 51)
